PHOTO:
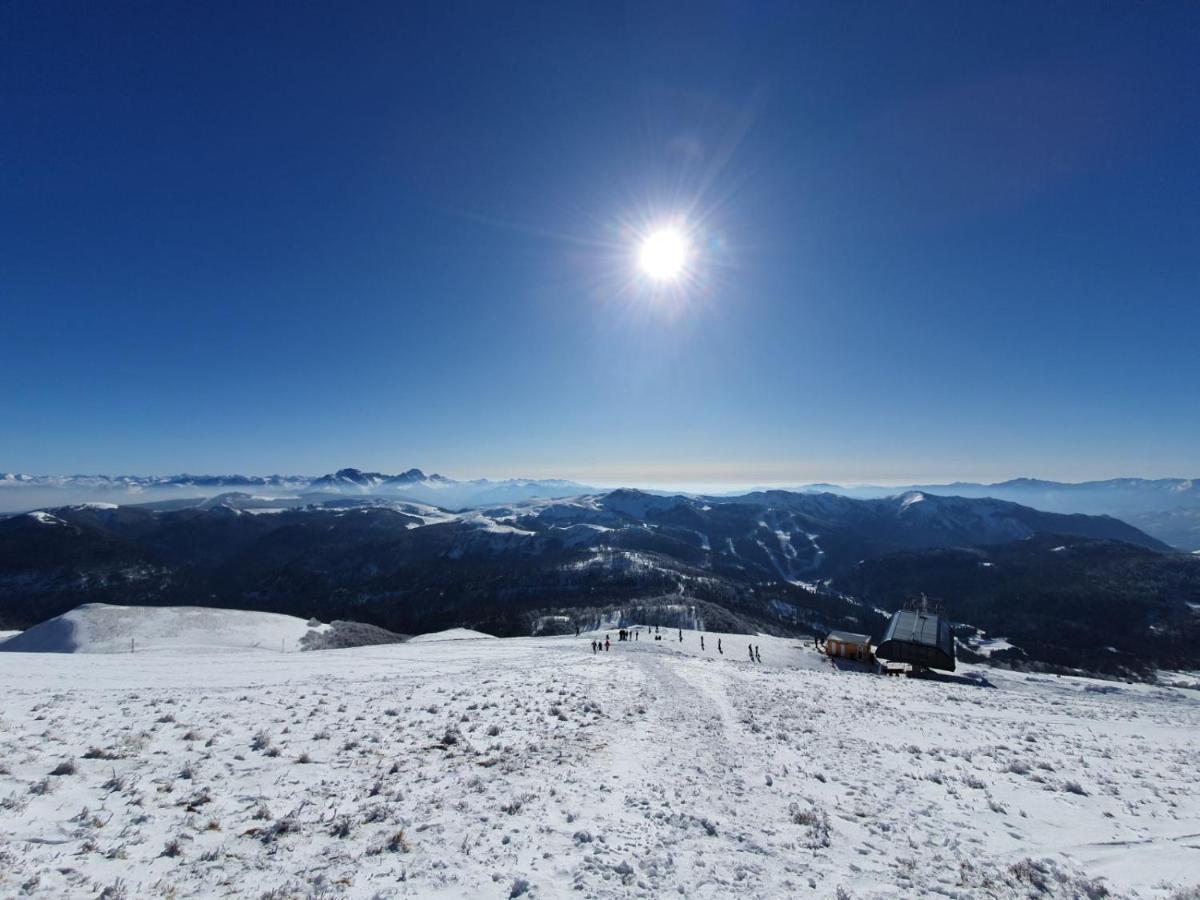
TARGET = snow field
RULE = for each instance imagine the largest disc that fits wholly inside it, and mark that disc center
(531, 767)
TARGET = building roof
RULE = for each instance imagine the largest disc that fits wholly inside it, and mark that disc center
(848, 637)
(920, 638)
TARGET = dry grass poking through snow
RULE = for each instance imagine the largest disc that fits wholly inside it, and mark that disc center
(532, 768)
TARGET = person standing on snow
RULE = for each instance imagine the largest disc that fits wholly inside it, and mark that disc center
(606, 645)
(593, 646)
(751, 648)
(757, 655)
(701, 642)
(719, 650)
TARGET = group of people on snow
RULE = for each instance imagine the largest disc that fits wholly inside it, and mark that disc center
(630, 634)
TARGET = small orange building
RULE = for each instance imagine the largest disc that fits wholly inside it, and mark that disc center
(846, 645)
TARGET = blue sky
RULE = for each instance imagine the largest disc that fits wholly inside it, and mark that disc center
(945, 240)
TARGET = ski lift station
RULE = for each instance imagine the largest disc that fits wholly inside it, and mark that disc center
(921, 639)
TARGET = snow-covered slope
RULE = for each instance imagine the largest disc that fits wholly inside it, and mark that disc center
(451, 634)
(103, 628)
(535, 768)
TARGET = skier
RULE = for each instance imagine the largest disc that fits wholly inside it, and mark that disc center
(606, 644)
(701, 642)
(681, 635)
(757, 655)
(593, 646)
(751, 648)
(719, 650)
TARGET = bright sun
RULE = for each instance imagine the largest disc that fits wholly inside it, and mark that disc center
(663, 254)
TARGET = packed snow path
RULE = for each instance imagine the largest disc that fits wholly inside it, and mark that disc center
(533, 767)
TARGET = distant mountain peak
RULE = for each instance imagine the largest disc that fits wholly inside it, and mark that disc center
(409, 476)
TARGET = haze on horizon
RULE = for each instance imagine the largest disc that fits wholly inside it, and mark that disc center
(612, 243)
(670, 479)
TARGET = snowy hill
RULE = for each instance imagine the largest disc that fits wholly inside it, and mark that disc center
(535, 768)
(101, 628)
(451, 634)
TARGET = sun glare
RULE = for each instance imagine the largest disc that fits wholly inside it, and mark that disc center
(663, 254)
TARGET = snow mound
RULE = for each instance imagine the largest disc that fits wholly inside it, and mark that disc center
(101, 628)
(451, 634)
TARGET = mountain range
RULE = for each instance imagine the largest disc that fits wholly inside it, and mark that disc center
(1167, 508)
(771, 560)
(20, 493)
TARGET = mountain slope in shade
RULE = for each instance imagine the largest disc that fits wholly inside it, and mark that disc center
(1167, 508)
(766, 559)
(920, 519)
(1076, 601)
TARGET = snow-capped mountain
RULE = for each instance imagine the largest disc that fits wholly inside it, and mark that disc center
(1168, 508)
(358, 481)
(19, 493)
